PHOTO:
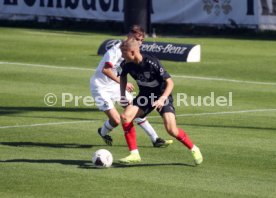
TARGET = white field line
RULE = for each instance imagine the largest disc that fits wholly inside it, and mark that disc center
(224, 79)
(175, 76)
(45, 124)
(180, 115)
(220, 113)
(47, 66)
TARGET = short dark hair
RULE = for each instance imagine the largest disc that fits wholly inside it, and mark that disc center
(137, 29)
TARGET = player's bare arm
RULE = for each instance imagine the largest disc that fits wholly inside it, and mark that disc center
(109, 73)
(123, 85)
(158, 104)
(107, 70)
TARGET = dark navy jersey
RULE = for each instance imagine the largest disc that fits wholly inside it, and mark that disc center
(150, 75)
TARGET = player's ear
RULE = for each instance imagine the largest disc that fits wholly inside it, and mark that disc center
(132, 53)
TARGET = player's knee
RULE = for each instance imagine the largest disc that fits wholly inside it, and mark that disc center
(115, 121)
(125, 118)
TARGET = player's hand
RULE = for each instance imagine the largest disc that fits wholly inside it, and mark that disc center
(123, 101)
(129, 87)
(158, 104)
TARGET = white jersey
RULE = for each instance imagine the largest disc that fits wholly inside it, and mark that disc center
(112, 57)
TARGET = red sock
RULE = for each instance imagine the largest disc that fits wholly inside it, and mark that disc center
(130, 135)
(184, 138)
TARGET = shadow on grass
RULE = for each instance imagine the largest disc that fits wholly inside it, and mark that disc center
(218, 126)
(118, 165)
(49, 161)
(17, 110)
(54, 145)
(49, 145)
(59, 145)
(85, 164)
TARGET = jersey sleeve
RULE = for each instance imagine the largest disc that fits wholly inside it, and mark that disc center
(112, 56)
(161, 72)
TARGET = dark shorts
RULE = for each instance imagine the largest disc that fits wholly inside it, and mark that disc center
(144, 103)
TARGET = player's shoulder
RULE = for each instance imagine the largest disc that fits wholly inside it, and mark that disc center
(125, 65)
(113, 43)
(115, 46)
(151, 60)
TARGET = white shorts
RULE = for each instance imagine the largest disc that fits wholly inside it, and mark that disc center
(105, 99)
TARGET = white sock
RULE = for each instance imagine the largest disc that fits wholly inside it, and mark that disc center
(134, 151)
(106, 128)
(146, 126)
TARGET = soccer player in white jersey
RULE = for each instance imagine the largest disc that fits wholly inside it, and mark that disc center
(105, 89)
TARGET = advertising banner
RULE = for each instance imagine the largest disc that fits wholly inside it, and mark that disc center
(163, 51)
(259, 13)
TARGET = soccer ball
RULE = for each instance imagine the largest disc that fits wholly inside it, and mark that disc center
(102, 158)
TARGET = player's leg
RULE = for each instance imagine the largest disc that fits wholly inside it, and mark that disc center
(112, 122)
(149, 130)
(109, 125)
(143, 123)
(127, 118)
(130, 113)
(104, 103)
(180, 135)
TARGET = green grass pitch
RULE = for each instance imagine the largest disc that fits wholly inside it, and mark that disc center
(45, 151)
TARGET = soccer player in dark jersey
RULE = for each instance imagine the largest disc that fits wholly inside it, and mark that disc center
(155, 88)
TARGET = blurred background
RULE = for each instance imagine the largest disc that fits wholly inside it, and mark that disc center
(156, 16)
